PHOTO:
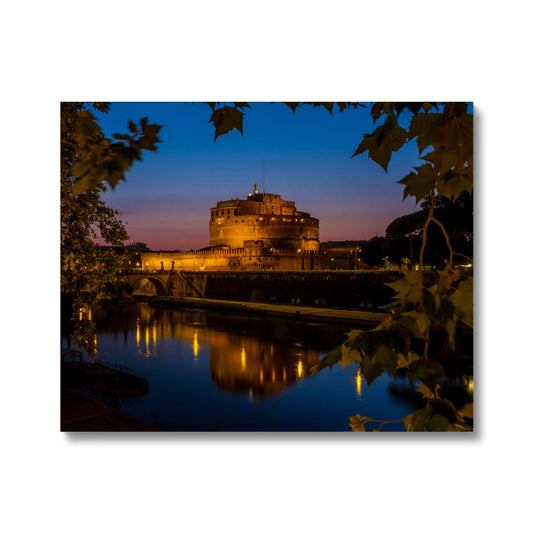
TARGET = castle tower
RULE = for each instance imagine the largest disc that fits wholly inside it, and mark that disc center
(262, 216)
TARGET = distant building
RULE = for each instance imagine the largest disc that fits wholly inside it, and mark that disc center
(262, 232)
(265, 217)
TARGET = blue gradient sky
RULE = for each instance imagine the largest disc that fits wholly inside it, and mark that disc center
(166, 198)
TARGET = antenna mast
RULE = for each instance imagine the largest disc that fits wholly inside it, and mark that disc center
(263, 175)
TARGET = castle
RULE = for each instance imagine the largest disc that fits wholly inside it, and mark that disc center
(261, 232)
(265, 217)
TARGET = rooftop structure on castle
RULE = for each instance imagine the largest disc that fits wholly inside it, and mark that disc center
(262, 217)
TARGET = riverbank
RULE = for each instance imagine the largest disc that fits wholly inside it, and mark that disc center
(298, 312)
(80, 412)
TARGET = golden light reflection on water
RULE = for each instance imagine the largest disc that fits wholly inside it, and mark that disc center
(150, 338)
(358, 382)
(248, 363)
(147, 342)
(195, 344)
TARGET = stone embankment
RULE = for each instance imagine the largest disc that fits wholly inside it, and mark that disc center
(300, 312)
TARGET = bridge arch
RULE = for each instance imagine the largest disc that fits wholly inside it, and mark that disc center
(150, 285)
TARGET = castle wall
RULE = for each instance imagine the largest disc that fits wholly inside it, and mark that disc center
(251, 257)
(265, 217)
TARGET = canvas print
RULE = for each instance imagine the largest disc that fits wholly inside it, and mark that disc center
(267, 267)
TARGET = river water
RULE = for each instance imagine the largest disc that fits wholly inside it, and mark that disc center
(228, 372)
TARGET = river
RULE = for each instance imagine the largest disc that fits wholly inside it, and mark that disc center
(229, 372)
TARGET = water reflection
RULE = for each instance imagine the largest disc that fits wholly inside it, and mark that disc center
(253, 356)
(150, 339)
(358, 383)
(256, 365)
(239, 372)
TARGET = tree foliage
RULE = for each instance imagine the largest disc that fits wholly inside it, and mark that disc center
(88, 159)
(100, 159)
(403, 236)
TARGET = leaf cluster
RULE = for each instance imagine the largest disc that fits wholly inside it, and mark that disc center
(87, 269)
(438, 415)
(97, 158)
(444, 137)
(441, 415)
(329, 106)
(375, 351)
(226, 117)
(445, 302)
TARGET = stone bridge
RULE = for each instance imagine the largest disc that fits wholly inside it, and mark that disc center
(166, 283)
(349, 289)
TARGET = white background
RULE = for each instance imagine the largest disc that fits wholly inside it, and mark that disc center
(243, 51)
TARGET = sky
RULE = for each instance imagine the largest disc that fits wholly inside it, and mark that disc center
(166, 198)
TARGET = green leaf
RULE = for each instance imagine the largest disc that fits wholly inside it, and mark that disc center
(448, 158)
(414, 321)
(463, 301)
(408, 423)
(428, 128)
(406, 288)
(86, 126)
(467, 411)
(438, 415)
(329, 360)
(352, 336)
(382, 142)
(349, 356)
(381, 359)
(226, 119)
(404, 362)
(428, 371)
(357, 424)
(426, 392)
(452, 183)
(438, 423)
(460, 136)
(419, 183)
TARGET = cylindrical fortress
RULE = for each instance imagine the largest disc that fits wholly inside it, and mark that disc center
(266, 217)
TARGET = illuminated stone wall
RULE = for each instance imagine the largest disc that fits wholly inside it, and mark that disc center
(265, 217)
(252, 257)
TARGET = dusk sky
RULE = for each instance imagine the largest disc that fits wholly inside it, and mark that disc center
(166, 198)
